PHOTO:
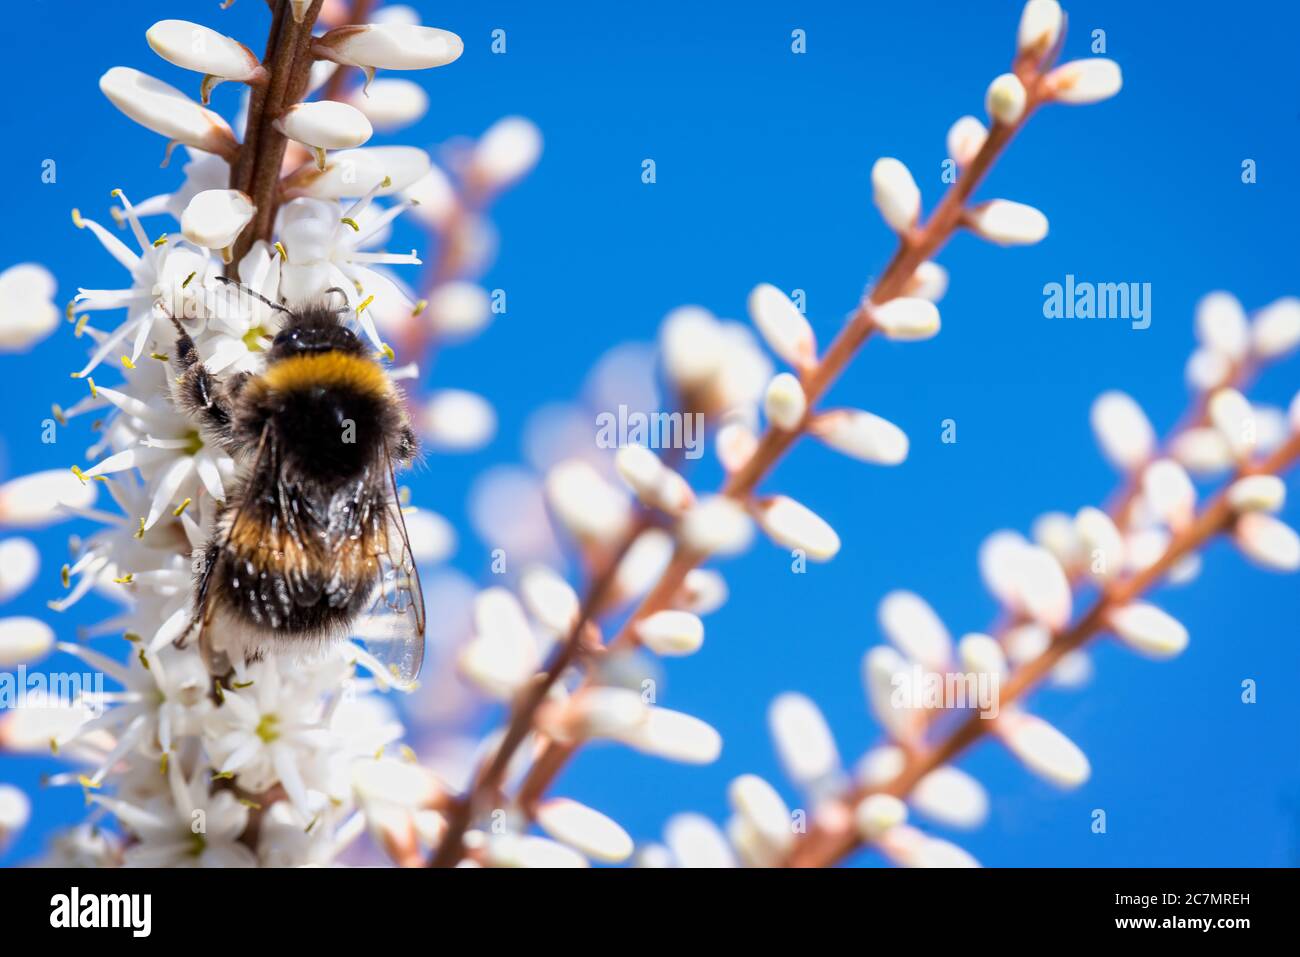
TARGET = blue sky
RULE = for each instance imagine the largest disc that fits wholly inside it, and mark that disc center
(762, 175)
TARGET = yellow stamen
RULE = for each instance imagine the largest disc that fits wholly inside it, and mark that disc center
(81, 325)
(388, 181)
(89, 783)
(351, 222)
(115, 193)
(144, 660)
(126, 361)
(65, 576)
(279, 248)
(126, 579)
(160, 241)
(365, 302)
(387, 351)
(162, 764)
(76, 470)
(131, 636)
(160, 356)
(140, 531)
(250, 804)
(59, 417)
(70, 310)
(77, 220)
(94, 393)
(420, 306)
(187, 278)
(181, 507)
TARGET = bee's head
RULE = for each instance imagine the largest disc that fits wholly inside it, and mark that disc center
(313, 330)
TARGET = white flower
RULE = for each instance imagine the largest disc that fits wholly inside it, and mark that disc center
(27, 312)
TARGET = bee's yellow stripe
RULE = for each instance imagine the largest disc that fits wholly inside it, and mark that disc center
(328, 370)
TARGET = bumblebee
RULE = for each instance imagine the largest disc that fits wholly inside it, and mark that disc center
(310, 545)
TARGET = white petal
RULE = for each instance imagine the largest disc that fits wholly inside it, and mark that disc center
(433, 539)
(390, 46)
(356, 172)
(1169, 492)
(692, 345)
(608, 712)
(981, 654)
(588, 506)
(895, 193)
(1276, 330)
(525, 850)
(696, 842)
(459, 308)
(1024, 643)
(784, 402)
(584, 829)
(503, 653)
(704, 591)
(782, 326)
(1123, 430)
(999, 562)
(1268, 541)
(1085, 81)
(914, 628)
(878, 813)
(1202, 450)
(1102, 543)
(506, 152)
(1208, 369)
(550, 599)
(675, 736)
(399, 782)
(644, 563)
(24, 641)
(15, 811)
(716, 525)
(1055, 532)
(906, 318)
(803, 739)
(436, 204)
(1231, 413)
(862, 435)
(1149, 630)
(795, 526)
(952, 797)
(764, 810)
(390, 104)
(195, 47)
(929, 281)
(19, 564)
(329, 124)
(1005, 99)
(456, 420)
(882, 667)
(966, 138)
(1044, 592)
(1040, 25)
(654, 483)
(1221, 325)
(1254, 493)
(1043, 749)
(39, 499)
(671, 633)
(27, 314)
(1008, 224)
(214, 218)
(166, 110)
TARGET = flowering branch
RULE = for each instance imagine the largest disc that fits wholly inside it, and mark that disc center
(891, 308)
(854, 820)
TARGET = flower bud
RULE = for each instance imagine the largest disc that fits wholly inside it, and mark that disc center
(1085, 81)
(782, 326)
(505, 153)
(671, 633)
(389, 46)
(198, 48)
(1040, 26)
(167, 111)
(896, 194)
(862, 436)
(324, 125)
(1149, 630)
(355, 172)
(1007, 224)
(214, 218)
(1123, 430)
(795, 526)
(391, 104)
(965, 139)
(906, 318)
(784, 403)
(1005, 100)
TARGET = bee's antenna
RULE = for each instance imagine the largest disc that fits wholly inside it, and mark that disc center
(344, 308)
(256, 295)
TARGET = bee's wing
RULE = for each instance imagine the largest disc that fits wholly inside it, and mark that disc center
(393, 628)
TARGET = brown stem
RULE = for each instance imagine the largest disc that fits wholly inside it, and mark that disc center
(823, 846)
(914, 248)
(256, 170)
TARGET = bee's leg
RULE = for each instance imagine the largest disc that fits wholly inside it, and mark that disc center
(203, 395)
(408, 446)
(202, 581)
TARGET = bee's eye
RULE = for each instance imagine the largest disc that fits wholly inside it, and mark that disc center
(283, 336)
